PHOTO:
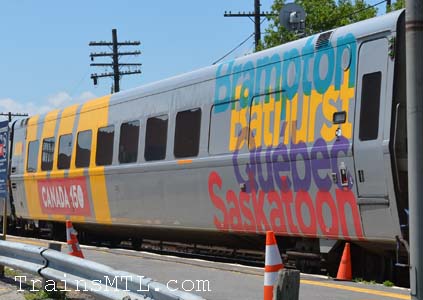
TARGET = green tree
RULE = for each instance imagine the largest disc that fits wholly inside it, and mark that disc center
(322, 15)
(397, 5)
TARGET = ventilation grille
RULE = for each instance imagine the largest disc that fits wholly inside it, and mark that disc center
(323, 40)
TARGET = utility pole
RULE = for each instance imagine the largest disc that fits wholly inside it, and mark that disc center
(115, 61)
(257, 23)
(115, 65)
(257, 14)
(414, 63)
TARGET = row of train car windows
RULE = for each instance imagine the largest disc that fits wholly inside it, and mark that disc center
(186, 143)
(187, 135)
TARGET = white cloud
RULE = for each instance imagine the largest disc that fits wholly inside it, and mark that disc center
(86, 96)
(63, 99)
(58, 100)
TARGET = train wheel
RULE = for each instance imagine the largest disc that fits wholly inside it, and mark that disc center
(114, 243)
(82, 237)
(136, 243)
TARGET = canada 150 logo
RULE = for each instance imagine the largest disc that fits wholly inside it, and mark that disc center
(64, 196)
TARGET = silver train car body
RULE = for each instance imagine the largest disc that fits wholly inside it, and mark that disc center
(307, 139)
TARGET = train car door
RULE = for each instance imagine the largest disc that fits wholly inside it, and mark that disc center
(369, 146)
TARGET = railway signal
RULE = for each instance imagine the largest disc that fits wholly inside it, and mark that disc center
(292, 17)
(115, 65)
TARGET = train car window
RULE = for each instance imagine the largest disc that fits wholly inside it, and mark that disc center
(370, 103)
(155, 138)
(105, 138)
(83, 149)
(65, 152)
(47, 154)
(222, 139)
(32, 156)
(128, 142)
(187, 133)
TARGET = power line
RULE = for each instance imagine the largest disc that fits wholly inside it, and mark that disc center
(359, 11)
(257, 14)
(266, 14)
(243, 42)
(363, 9)
(240, 44)
(77, 85)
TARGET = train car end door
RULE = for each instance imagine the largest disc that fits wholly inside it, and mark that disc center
(369, 145)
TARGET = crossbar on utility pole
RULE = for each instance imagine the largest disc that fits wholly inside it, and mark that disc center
(115, 64)
(257, 14)
(414, 62)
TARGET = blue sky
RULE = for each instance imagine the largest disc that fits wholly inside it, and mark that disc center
(44, 53)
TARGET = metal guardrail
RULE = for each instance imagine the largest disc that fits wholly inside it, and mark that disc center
(93, 278)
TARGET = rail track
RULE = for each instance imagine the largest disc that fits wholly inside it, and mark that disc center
(306, 262)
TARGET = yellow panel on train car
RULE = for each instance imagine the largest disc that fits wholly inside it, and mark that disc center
(35, 209)
(17, 149)
(66, 124)
(94, 114)
(46, 159)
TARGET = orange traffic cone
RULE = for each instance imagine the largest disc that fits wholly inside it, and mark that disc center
(344, 271)
(72, 240)
(273, 263)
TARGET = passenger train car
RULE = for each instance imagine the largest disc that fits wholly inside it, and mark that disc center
(307, 139)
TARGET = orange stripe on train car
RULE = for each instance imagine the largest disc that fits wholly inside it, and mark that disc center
(184, 161)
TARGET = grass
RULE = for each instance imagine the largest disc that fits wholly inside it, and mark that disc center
(361, 280)
(42, 294)
(388, 283)
(39, 295)
(8, 272)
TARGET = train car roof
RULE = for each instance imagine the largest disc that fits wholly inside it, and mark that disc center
(360, 29)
